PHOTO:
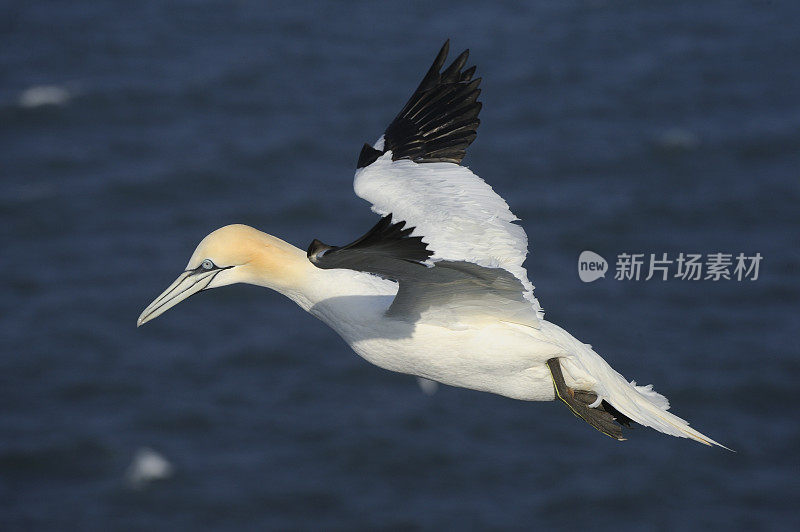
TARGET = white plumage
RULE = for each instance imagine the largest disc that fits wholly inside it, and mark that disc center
(437, 289)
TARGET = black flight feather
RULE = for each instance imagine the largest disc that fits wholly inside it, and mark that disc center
(439, 121)
(386, 249)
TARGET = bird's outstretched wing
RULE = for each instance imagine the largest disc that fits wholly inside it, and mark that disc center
(412, 176)
(448, 293)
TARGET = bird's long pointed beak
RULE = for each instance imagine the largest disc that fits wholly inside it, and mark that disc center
(187, 284)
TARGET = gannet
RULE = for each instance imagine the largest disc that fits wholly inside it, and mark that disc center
(437, 288)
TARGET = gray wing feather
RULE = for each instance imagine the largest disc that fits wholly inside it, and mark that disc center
(460, 292)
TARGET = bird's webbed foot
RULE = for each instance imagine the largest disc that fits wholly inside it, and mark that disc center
(603, 417)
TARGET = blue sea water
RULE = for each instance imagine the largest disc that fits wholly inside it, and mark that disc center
(660, 127)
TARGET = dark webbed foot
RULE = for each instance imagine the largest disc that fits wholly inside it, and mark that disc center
(604, 417)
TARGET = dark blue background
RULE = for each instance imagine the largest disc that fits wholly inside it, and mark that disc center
(671, 127)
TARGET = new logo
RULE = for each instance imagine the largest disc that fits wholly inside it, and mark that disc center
(591, 266)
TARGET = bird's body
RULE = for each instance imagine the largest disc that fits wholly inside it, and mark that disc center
(437, 288)
(499, 357)
(486, 355)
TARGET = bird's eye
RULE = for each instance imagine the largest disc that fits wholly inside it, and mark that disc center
(207, 264)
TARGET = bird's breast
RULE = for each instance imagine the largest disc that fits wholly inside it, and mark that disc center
(494, 359)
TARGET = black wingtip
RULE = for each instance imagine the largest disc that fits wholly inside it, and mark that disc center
(453, 73)
(440, 120)
(367, 156)
(468, 73)
(385, 239)
(443, 51)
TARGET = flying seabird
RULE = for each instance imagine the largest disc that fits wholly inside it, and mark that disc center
(436, 288)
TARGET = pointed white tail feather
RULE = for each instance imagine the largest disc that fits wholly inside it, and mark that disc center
(645, 406)
(642, 404)
(642, 410)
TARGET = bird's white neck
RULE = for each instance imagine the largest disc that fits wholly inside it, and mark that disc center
(337, 294)
(331, 295)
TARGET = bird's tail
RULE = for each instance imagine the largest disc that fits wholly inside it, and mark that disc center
(642, 404)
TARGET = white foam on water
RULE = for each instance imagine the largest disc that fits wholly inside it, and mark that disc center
(41, 95)
(147, 466)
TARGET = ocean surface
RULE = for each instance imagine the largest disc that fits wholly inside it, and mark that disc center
(130, 130)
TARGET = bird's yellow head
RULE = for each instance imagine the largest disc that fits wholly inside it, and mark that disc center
(233, 254)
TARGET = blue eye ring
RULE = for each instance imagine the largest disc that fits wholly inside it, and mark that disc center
(207, 264)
